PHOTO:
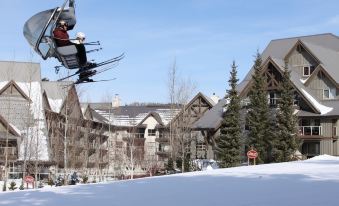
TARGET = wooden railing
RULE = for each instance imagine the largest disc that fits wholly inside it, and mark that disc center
(133, 135)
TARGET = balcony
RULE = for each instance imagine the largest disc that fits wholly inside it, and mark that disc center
(162, 138)
(133, 135)
(310, 131)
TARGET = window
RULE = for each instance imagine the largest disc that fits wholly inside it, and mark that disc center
(329, 93)
(296, 99)
(151, 132)
(273, 98)
(307, 71)
(326, 93)
(311, 149)
(201, 147)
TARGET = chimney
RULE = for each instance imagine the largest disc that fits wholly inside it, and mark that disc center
(116, 101)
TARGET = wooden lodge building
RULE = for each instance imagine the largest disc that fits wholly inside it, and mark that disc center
(314, 65)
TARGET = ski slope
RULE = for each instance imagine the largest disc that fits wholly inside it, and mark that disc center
(311, 182)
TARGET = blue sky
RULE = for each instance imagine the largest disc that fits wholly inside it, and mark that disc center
(204, 37)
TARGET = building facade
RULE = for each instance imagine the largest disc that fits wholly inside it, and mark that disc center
(313, 62)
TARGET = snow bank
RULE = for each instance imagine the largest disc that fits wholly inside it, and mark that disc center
(311, 182)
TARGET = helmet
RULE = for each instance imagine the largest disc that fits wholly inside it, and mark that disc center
(81, 35)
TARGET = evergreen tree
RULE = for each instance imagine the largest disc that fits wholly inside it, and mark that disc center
(187, 164)
(228, 144)
(285, 143)
(12, 186)
(178, 162)
(22, 187)
(170, 165)
(258, 115)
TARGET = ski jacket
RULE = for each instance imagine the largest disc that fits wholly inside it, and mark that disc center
(61, 37)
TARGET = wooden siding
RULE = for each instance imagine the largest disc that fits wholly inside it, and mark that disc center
(300, 58)
(327, 127)
(192, 112)
(336, 148)
(326, 147)
(319, 83)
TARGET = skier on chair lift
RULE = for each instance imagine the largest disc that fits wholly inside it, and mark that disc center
(62, 39)
(46, 33)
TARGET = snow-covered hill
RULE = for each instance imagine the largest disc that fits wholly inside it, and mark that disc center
(311, 182)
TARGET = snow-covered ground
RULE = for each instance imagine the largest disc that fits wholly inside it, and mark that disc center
(311, 182)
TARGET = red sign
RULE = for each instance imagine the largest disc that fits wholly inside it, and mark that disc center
(29, 179)
(252, 154)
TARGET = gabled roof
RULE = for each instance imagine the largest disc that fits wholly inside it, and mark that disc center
(211, 119)
(131, 115)
(280, 48)
(208, 100)
(12, 83)
(305, 46)
(329, 59)
(91, 114)
(56, 92)
(320, 68)
(11, 128)
(155, 115)
(307, 95)
(325, 49)
(72, 101)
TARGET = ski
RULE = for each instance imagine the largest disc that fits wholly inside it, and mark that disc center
(115, 59)
(110, 61)
(93, 74)
(102, 80)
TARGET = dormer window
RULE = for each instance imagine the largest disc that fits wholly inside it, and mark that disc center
(329, 93)
(326, 93)
(308, 70)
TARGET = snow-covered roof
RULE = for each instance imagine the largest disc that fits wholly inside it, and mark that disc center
(322, 108)
(132, 115)
(56, 93)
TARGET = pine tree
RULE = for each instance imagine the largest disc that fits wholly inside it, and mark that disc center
(170, 165)
(257, 118)
(187, 164)
(22, 187)
(285, 143)
(228, 144)
(12, 186)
